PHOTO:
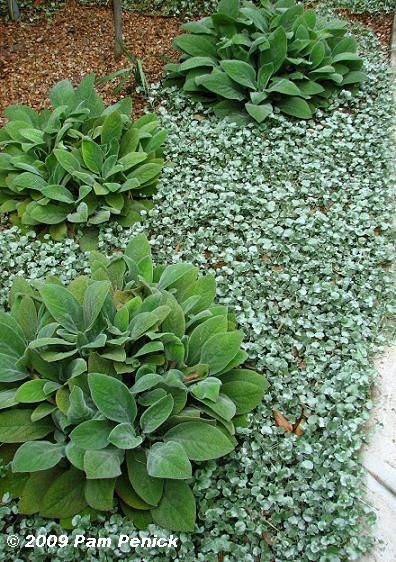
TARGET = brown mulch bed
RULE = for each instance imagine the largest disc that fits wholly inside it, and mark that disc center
(77, 41)
(381, 24)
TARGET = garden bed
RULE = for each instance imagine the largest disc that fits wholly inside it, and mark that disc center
(77, 40)
(294, 220)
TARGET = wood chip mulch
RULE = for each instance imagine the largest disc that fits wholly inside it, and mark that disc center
(78, 40)
(381, 24)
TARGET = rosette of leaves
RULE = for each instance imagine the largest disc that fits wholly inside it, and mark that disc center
(245, 60)
(79, 163)
(116, 385)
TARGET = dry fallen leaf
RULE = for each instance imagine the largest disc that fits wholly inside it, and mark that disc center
(301, 364)
(268, 538)
(281, 421)
(199, 117)
(298, 429)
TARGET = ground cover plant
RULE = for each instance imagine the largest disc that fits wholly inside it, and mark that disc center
(359, 6)
(246, 60)
(130, 375)
(80, 163)
(295, 222)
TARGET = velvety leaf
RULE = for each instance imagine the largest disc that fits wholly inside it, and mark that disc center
(12, 338)
(195, 46)
(196, 62)
(67, 160)
(112, 398)
(42, 410)
(75, 455)
(177, 510)
(91, 434)
(123, 436)
(278, 48)
(80, 214)
(264, 74)
(259, 112)
(146, 172)
(229, 8)
(99, 493)
(354, 77)
(141, 324)
(174, 274)
(241, 72)
(284, 86)
(296, 107)
(92, 155)
(105, 463)
(219, 350)
(37, 455)
(62, 306)
(132, 159)
(140, 518)
(223, 407)
(31, 391)
(94, 300)
(57, 193)
(200, 440)
(64, 496)
(126, 492)
(245, 388)
(168, 460)
(219, 83)
(7, 398)
(156, 414)
(148, 488)
(209, 388)
(139, 250)
(35, 489)
(16, 426)
(112, 128)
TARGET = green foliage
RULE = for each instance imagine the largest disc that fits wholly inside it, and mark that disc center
(80, 163)
(120, 380)
(359, 6)
(295, 222)
(124, 76)
(245, 61)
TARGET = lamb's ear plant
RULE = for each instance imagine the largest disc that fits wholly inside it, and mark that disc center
(79, 163)
(116, 385)
(245, 60)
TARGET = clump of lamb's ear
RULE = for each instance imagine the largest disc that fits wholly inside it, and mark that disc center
(80, 163)
(118, 383)
(246, 61)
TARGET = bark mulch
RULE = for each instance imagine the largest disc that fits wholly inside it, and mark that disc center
(78, 40)
(381, 24)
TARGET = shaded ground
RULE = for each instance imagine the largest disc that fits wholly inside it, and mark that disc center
(381, 24)
(78, 40)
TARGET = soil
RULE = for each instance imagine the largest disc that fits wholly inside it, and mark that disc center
(78, 40)
(381, 24)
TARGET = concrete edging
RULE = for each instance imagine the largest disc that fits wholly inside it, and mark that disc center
(393, 45)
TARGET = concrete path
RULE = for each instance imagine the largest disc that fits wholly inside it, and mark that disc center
(379, 459)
